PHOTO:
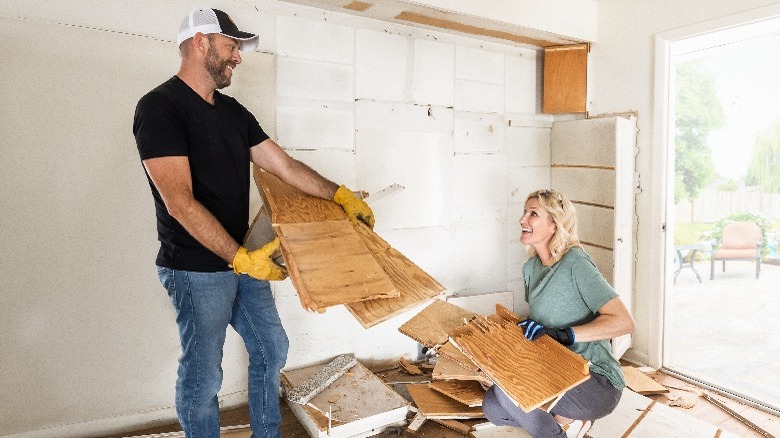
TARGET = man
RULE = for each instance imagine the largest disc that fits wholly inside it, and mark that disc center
(196, 145)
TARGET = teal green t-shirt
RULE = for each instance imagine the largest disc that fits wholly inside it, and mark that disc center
(570, 293)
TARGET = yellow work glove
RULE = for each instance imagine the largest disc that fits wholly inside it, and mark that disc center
(258, 263)
(355, 207)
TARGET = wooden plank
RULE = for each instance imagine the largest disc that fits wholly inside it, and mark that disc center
(451, 352)
(431, 327)
(470, 393)
(640, 383)
(329, 265)
(435, 405)
(414, 285)
(529, 372)
(448, 369)
(290, 205)
(358, 402)
(416, 423)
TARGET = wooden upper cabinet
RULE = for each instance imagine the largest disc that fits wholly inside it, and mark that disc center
(565, 79)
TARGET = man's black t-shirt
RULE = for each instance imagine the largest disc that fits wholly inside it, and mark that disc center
(173, 120)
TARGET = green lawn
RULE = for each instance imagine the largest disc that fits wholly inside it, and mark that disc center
(687, 233)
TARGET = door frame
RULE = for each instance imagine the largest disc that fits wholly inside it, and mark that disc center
(667, 45)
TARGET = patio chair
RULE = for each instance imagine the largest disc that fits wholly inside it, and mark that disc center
(740, 241)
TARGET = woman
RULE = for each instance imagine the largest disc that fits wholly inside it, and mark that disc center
(570, 301)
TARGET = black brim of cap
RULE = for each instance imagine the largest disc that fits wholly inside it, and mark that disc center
(237, 34)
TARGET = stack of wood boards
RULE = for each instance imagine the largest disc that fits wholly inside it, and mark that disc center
(493, 349)
(333, 262)
(358, 403)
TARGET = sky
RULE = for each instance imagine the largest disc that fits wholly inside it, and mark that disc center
(748, 80)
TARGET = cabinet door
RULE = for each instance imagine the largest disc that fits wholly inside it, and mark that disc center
(565, 79)
(592, 163)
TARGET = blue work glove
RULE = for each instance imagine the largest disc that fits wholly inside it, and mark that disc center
(532, 330)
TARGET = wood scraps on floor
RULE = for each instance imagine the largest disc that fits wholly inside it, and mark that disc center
(333, 262)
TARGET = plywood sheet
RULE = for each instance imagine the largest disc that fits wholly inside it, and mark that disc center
(330, 265)
(435, 405)
(358, 401)
(448, 369)
(289, 205)
(641, 383)
(432, 326)
(529, 372)
(451, 352)
(565, 79)
(470, 393)
(414, 285)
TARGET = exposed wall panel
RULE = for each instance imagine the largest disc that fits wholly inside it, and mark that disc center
(315, 40)
(402, 117)
(315, 80)
(527, 146)
(569, 181)
(522, 78)
(479, 65)
(433, 76)
(479, 188)
(478, 96)
(380, 66)
(304, 128)
(478, 133)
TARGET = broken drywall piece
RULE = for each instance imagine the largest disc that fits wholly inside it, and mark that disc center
(312, 386)
(356, 404)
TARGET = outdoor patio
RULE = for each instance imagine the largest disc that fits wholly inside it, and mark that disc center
(726, 330)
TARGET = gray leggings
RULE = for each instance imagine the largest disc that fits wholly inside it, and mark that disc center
(592, 399)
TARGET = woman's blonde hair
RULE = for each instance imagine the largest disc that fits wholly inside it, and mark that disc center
(564, 216)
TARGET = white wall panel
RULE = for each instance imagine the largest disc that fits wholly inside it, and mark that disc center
(477, 246)
(521, 181)
(433, 77)
(569, 181)
(317, 337)
(380, 66)
(596, 225)
(479, 188)
(314, 80)
(418, 161)
(315, 40)
(336, 165)
(523, 75)
(479, 65)
(477, 96)
(402, 116)
(527, 146)
(304, 128)
(478, 133)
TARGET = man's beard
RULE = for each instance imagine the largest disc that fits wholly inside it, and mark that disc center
(216, 68)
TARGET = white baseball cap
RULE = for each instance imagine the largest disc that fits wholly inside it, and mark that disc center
(208, 21)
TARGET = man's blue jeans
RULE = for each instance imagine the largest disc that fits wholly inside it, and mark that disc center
(206, 302)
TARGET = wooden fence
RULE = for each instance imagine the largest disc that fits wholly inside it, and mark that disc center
(712, 205)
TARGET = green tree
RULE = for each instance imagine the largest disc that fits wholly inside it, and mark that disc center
(698, 113)
(764, 169)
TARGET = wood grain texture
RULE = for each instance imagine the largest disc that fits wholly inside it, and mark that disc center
(641, 383)
(414, 285)
(529, 372)
(330, 265)
(291, 206)
(448, 369)
(565, 79)
(435, 405)
(470, 393)
(432, 326)
(451, 352)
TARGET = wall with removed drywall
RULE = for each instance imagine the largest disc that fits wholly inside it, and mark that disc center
(88, 339)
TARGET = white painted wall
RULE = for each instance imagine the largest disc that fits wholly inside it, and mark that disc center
(621, 76)
(87, 337)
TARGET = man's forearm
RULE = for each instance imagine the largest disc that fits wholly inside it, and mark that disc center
(206, 229)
